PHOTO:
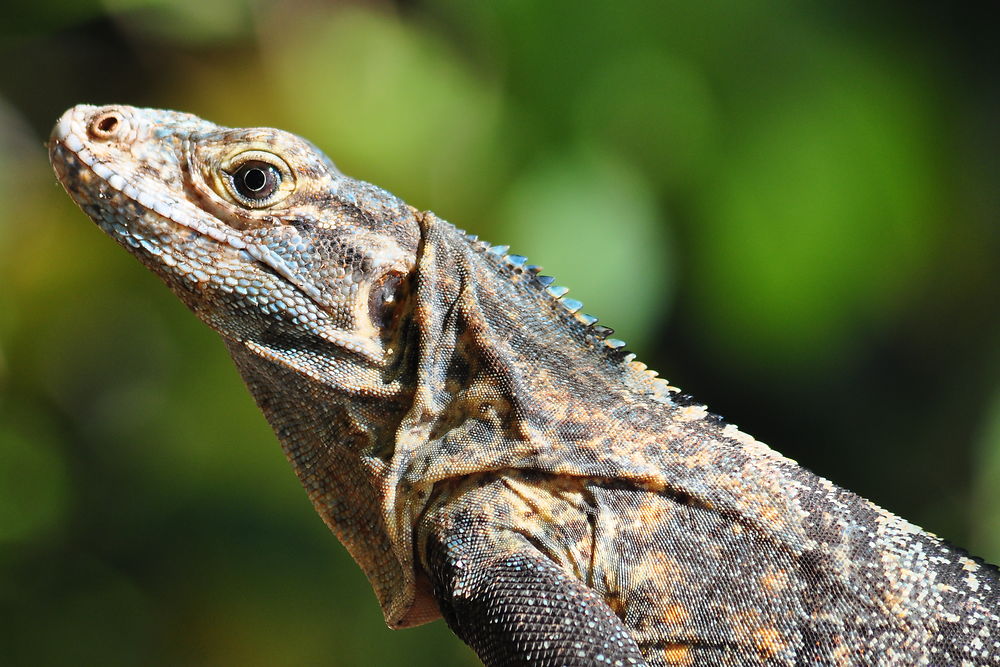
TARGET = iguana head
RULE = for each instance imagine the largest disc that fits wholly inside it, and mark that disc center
(255, 229)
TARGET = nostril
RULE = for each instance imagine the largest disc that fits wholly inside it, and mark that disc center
(105, 126)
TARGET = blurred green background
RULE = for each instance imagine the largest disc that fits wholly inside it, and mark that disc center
(790, 209)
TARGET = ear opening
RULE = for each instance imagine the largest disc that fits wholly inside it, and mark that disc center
(387, 301)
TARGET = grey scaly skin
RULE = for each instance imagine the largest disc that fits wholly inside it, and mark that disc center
(480, 447)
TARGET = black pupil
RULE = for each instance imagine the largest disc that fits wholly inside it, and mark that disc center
(256, 180)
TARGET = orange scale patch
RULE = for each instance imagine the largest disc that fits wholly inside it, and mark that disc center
(677, 654)
(769, 642)
(652, 514)
(675, 615)
(702, 458)
(658, 566)
(775, 581)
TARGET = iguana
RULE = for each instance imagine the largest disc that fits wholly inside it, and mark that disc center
(485, 451)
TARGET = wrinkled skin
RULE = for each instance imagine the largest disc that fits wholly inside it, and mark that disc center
(483, 451)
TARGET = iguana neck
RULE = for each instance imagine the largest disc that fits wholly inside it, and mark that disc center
(504, 364)
(338, 449)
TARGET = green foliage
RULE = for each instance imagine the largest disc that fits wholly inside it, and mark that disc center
(565, 209)
(822, 216)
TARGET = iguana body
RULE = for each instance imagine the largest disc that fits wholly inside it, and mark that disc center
(480, 447)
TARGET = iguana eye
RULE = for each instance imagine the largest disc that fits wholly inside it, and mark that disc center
(256, 180)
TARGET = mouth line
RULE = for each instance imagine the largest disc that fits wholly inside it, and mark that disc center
(70, 142)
